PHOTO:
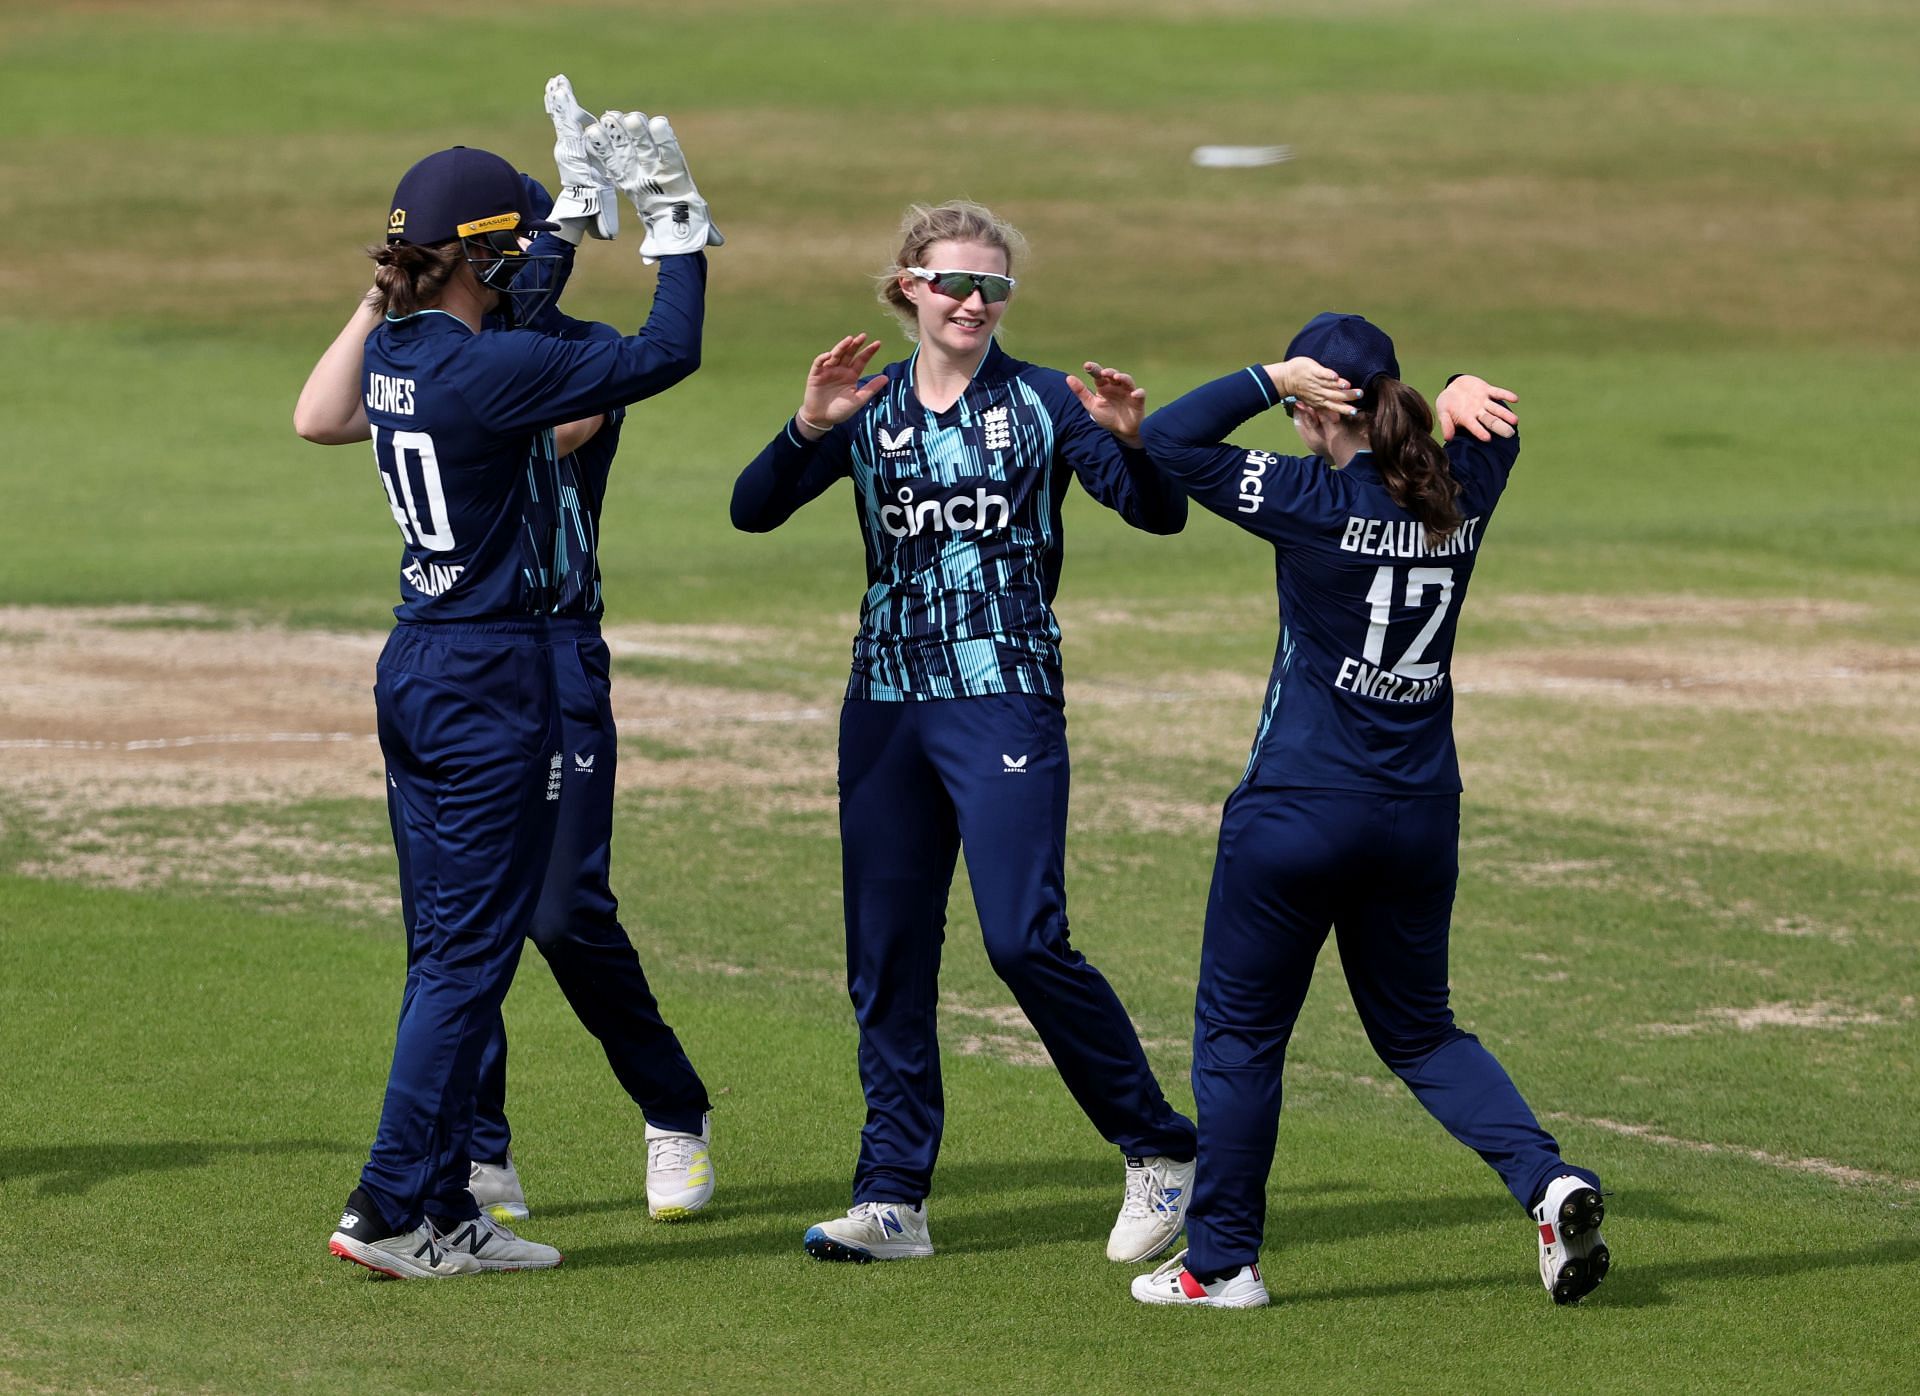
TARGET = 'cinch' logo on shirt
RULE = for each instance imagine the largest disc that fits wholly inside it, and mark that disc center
(964, 513)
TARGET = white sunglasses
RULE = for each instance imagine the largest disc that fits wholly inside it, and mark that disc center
(958, 285)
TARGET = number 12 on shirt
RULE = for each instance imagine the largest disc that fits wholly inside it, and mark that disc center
(1420, 580)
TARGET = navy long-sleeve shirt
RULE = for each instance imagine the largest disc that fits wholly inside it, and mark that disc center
(462, 435)
(1361, 697)
(960, 513)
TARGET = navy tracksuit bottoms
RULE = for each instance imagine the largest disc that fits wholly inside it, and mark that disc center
(918, 780)
(1379, 870)
(471, 740)
(576, 923)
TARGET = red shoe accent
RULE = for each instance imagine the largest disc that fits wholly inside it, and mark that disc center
(337, 1249)
(1191, 1287)
(1546, 1233)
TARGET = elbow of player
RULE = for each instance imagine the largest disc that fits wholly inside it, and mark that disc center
(1170, 520)
(746, 518)
(309, 426)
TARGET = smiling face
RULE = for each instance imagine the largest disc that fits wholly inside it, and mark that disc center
(959, 329)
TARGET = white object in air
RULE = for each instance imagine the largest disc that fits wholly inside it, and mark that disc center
(1240, 157)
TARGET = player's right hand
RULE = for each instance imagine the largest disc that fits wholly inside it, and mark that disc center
(1310, 384)
(834, 392)
(585, 202)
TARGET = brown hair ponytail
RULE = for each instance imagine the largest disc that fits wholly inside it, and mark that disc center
(409, 278)
(1414, 469)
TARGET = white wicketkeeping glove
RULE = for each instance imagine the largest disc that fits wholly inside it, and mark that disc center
(585, 202)
(643, 159)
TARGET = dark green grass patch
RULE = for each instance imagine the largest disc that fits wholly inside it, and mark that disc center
(205, 1077)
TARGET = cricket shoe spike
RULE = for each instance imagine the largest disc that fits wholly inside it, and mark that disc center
(364, 1238)
(872, 1231)
(1573, 1258)
(679, 1172)
(1153, 1210)
(1174, 1284)
(492, 1246)
(496, 1187)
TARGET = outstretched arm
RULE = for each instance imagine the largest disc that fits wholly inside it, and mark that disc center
(330, 411)
(1186, 440)
(1102, 444)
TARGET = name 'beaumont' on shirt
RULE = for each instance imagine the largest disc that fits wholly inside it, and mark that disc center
(1399, 538)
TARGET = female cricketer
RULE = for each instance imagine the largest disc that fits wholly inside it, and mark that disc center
(576, 920)
(469, 714)
(953, 730)
(1348, 816)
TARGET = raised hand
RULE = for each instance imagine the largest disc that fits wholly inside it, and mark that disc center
(833, 386)
(1309, 384)
(621, 147)
(685, 226)
(1477, 405)
(585, 201)
(1113, 401)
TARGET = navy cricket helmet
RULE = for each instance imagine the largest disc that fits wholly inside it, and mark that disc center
(460, 193)
(1351, 345)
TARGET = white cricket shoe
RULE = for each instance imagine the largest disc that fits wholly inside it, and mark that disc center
(496, 1187)
(1173, 1284)
(679, 1172)
(1573, 1258)
(492, 1246)
(872, 1231)
(407, 1255)
(1153, 1211)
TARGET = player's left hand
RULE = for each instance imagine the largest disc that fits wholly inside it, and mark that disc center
(1113, 401)
(641, 156)
(1477, 405)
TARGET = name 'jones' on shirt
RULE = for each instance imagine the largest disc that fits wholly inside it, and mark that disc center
(1412, 678)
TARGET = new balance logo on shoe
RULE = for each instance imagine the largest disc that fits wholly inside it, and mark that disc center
(889, 1222)
(1011, 765)
(473, 1239)
(349, 1220)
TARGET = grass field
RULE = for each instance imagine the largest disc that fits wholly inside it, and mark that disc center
(1689, 920)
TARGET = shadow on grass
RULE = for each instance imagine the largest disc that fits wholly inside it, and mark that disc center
(1630, 1285)
(71, 1170)
(978, 1212)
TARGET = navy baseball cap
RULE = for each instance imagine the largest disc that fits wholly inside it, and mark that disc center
(460, 193)
(1352, 346)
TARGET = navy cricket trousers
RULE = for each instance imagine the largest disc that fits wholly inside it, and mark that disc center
(471, 740)
(1380, 871)
(917, 780)
(576, 924)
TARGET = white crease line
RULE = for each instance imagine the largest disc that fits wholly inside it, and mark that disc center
(323, 738)
(654, 723)
(1646, 1134)
(1819, 1167)
(167, 743)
